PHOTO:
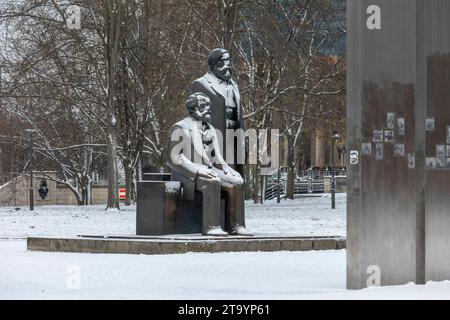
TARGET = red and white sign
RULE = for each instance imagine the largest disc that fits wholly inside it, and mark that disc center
(122, 193)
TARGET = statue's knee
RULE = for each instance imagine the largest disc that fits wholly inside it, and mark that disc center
(214, 184)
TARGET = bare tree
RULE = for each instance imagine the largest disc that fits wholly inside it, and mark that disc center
(109, 92)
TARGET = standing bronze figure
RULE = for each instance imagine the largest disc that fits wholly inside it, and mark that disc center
(223, 92)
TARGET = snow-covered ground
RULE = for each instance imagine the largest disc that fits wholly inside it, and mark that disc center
(249, 275)
(302, 216)
(236, 275)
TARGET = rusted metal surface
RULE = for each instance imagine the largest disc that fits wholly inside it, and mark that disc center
(399, 193)
(381, 211)
(437, 205)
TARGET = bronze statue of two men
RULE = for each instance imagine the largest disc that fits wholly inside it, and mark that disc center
(196, 153)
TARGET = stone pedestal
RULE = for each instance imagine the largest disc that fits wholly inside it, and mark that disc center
(398, 110)
(182, 244)
(161, 209)
(158, 207)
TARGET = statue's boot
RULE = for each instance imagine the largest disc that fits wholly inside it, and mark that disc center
(216, 232)
(234, 210)
(210, 188)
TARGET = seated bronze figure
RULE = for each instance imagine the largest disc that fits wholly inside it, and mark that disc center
(196, 161)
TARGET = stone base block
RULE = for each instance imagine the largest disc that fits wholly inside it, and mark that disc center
(182, 244)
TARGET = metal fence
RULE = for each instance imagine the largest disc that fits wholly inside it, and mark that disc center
(306, 181)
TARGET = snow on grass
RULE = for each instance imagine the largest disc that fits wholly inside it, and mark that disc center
(39, 275)
(302, 216)
(234, 275)
(65, 221)
(309, 216)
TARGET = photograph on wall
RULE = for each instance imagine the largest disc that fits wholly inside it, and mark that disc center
(354, 157)
(378, 136)
(447, 135)
(366, 149)
(399, 150)
(389, 136)
(430, 163)
(390, 120)
(379, 151)
(440, 150)
(401, 126)
(429, 124)
(411, 160)
(441, 162)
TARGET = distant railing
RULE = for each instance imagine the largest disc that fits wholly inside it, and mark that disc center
(306, 181)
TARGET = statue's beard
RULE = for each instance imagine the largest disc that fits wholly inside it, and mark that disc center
(223, 73)
(204, 116)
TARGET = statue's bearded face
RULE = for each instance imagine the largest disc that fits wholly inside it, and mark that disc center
(223, 68)
(203, 110)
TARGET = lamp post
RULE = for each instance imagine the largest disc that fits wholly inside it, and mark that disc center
(278, 185)
(29, 133)
(334, 137)
(280, 136)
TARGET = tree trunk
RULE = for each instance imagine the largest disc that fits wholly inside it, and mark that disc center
(83, 200)
(128, 184)
(89, 192)
(113, 175)
(290, 170)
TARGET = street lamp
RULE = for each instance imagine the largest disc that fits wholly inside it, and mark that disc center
(29, 133)
(334, 137)
(280, 136)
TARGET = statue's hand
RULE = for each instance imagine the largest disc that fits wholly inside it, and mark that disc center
(207, 173)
